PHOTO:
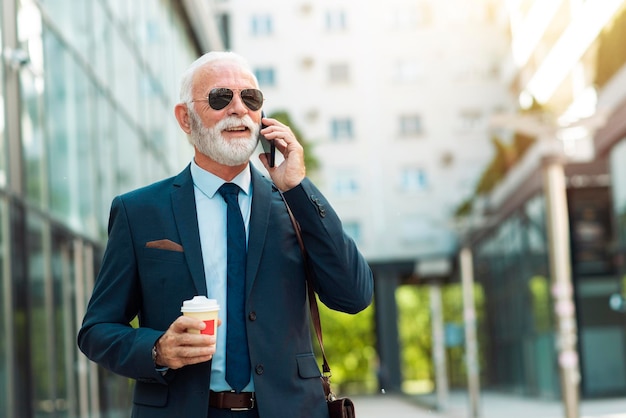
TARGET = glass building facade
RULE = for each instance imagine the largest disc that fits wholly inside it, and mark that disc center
(87, 113)
(618, 171)
(512, 265)
(512, 257)
(513, 268)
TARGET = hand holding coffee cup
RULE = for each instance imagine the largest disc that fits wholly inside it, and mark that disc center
(205, 309)
(192, 336)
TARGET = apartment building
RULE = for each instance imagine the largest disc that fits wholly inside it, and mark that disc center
(394, 98)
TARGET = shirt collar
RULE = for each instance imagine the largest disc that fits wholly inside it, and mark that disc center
(208, 183)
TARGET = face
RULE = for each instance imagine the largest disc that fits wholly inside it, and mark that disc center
(229, 135)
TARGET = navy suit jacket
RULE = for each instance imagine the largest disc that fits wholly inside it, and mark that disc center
(151, 283)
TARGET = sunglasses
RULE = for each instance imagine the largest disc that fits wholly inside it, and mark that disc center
(221, 97)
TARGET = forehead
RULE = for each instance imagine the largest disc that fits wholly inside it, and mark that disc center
(223, 74)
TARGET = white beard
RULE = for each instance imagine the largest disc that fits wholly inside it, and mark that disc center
(211, 142)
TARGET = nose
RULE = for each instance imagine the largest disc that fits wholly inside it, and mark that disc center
(236, 105)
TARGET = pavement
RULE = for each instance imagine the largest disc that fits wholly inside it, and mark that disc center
(490, 405)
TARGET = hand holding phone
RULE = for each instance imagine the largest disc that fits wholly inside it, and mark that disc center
(268, 146)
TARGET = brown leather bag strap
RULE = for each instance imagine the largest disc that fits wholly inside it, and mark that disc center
(315, 314)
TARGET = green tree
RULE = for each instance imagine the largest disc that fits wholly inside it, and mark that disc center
(415, 329)
(349, 343)
(415, 333)
(311, 163)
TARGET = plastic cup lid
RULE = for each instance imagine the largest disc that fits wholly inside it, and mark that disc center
(199, 304)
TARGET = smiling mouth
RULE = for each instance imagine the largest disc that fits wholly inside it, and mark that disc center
(237, 129)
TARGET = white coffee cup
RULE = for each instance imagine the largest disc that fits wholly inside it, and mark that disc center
(205, 309)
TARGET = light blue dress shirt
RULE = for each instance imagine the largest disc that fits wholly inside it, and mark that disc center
(211, 209)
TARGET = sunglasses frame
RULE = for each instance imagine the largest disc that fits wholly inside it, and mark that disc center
(221, 93)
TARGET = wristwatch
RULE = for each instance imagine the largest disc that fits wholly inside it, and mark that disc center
(155, 355)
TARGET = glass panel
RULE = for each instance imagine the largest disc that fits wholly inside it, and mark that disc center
(70, 164)
(40, 327)
(65, 325)
(618, 177)
(119, 9)
(102, 33)
(105, 148)
(124, 76)
(3, 145)
(19, 353)
(128, 160)
(32, 89)
(4, 278)
(71, 19)
(6, 315)
(512, 265)
(33, 140)
(83, 154)
(59, 78)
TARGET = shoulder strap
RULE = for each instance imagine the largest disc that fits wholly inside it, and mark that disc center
(315, 314)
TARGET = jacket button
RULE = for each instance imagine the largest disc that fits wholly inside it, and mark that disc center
(320, 206)
(252, 316)
(259, 369)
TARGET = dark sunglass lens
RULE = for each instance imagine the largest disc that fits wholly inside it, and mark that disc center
(253, 98)
(219, 98)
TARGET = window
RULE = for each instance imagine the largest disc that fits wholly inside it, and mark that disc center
(411, 125)
(470, 119)
(307, 63)
(413, 179)
(338, 73)
(410, 16)
(402, 18)
(335, 20)
(265, 76)
(407, 71)
(306, 9)
(262, 25)
(486, 71)
(341, 129)
(346, 184)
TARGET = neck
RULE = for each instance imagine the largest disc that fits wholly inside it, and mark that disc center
(225, 172)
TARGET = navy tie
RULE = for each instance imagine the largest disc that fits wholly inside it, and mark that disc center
(237, 356)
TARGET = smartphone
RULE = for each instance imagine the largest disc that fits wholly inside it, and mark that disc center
(268, 146)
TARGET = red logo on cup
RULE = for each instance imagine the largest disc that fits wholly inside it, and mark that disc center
(210, 327)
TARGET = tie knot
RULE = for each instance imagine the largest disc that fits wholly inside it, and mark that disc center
(229, 189)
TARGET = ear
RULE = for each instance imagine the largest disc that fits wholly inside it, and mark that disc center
(182, 116)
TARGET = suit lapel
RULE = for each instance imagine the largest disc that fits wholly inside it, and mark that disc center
(184, 204)
(259, 220)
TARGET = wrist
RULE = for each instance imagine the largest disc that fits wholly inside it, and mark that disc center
(155, 359)
(155, 355)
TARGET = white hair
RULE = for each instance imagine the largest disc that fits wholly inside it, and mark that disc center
(186, 83)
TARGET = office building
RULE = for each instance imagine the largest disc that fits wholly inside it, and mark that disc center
(87, 113)
(568, 69)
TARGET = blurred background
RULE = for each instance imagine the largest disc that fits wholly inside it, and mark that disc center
(474, 150)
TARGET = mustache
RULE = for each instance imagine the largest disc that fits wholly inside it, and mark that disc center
(234, 122)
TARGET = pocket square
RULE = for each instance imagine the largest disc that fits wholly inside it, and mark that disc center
(165, 244)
